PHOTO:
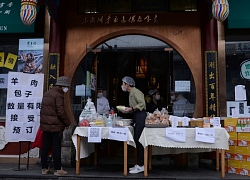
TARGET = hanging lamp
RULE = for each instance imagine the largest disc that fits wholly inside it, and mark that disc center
(28, 11)
(220, 9)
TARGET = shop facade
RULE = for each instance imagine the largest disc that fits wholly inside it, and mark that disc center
(193, 34)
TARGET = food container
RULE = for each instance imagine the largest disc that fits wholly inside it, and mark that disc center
(196, 123)
(126, 122)
(123, 122)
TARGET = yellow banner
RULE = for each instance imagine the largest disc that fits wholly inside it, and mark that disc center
(1, 59)
(10, 61)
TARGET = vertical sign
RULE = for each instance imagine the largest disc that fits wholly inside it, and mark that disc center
(53, 69)
(24, 97)
(211, 84)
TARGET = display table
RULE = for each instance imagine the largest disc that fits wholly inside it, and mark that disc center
(157, 137)
(84, 149)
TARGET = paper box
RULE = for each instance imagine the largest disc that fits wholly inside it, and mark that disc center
(231, 153)
(233, 167)
(230, 124)
(232, 141)
(242, 153)
(243, 139)
(243, 128)
(244, 168)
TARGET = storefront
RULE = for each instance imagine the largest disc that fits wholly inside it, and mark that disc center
(79, 47)
(179, 60)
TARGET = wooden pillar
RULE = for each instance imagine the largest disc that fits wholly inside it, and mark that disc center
(56, 46)
(210, 59)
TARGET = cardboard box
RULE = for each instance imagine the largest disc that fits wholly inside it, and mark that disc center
(230, 124)
(243, 128)
(243, 139)
(233, 139)
(233, 167)
(231, 153)
(244, 168)
(241, 153)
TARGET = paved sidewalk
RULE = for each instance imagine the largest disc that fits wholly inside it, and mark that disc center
(113, 169)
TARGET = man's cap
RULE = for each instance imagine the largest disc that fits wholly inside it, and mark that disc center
(63, 81)
(129, 80)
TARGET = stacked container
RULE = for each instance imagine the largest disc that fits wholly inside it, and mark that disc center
(238, 155)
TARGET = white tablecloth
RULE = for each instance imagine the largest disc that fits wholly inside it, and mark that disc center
(157, 138)
(88, 148)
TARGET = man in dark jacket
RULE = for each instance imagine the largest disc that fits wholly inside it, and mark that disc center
(53, 122)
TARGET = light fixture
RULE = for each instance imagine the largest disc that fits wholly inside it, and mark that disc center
(141, 68)
(28, 11)
(220, 9)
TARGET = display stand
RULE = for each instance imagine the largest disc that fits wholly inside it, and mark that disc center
(19, 160)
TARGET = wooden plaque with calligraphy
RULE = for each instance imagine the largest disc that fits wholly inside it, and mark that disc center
(211, 83)
(53, 69)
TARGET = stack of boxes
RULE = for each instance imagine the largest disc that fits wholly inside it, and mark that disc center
(238, 155)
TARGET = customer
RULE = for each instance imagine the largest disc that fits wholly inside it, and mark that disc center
(102, 102)
(138, 108)
(153, 101)
(53, 122)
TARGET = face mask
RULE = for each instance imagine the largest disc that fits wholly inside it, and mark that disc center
(99, 95)
(173, 98)
(123, 88)
(157, 97)
(65, 89)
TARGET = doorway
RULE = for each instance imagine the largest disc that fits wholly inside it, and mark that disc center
(151, 62)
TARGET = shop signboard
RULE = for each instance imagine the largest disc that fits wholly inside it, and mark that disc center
(10, 21)
(245, 69)
(211, 83)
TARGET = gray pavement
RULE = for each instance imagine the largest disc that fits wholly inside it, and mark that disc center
(112, 168)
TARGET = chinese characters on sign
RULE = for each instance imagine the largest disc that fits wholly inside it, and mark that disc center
(24, 97)
(211, 83)
(119, 134)
(206, 135)
(124, 19)
(176, 134)
(95, 134)
(245, 69)
(5, 8)
(53, 69)
(10, 21)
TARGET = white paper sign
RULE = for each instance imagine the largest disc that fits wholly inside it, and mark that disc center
(176, 134)
(174, 120)
(181, 86)
(119, 134)
(215, 121)
(82, 90)
(23, 105)
(206, 135)
(235, 112)
(95, 134)
(185, 121)
(240, 93)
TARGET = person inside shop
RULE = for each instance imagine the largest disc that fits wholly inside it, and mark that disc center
(102, 102)
(137, 107)
(178, 99)
(153, 101)
(53, 122)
